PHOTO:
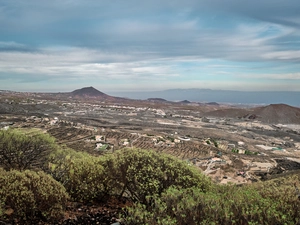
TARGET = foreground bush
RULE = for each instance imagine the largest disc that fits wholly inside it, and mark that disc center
(132, 173)
(31, 195)
(20, 149)
(224, 205)
(138, 174)
(283, 193)
(80, 173)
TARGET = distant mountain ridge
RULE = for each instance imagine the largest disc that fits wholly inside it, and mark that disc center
(218, 96)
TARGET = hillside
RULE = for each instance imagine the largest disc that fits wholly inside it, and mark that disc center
(88, 92)
(278, 113)
(91, 93)
(274, 113)
(228, 113)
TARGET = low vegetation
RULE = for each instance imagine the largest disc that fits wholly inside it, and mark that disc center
(162, 189)
(27, 195)
(81, 174)
(24, 149)
(222, 205)
(140, 174)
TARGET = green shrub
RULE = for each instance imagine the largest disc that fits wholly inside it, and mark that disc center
(130, 173)
(30, 194)
(85, 179)
(222, 205)
(137, 173)
(20, 149)
(283, 195)
(80, 173)
(1, 207)
(216, 144)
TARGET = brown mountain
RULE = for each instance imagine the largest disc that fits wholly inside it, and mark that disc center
(274, 113)
(92, 94)
(278, 113)
(88, 92)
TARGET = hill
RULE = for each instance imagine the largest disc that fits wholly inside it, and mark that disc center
(88, 92)
(156, 100)
(185, 102)
(228, 113)
(213, 103)
(273, 113)
(278, 113)
(91, 93)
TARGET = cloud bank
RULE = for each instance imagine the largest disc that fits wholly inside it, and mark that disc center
(133, 45)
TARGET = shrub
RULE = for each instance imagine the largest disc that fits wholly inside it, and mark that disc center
(1, 207)
(216, 144)
(85, 179)
(222, 205)
(31, 194)
(140, 173)
(283, 195)
(80, 173)
(23, 150)
(130, 173)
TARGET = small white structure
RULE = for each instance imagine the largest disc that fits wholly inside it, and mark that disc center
(242, 151)
(177, 141)
(98, 145)
(240, 143)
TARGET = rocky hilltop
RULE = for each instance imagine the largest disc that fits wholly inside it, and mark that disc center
(88, 92)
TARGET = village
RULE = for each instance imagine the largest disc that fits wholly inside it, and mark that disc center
(228, 150)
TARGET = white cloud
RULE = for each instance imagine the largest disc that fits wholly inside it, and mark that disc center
(147, 41)
(290, 55)
(282, 76)
(81, 63)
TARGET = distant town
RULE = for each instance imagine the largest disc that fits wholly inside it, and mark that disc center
(228, 143)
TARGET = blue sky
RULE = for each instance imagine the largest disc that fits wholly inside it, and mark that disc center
(149, 45)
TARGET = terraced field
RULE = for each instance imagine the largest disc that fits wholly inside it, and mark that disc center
(77, 138)
(69, 134)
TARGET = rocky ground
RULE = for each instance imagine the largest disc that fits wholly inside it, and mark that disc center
(102, 214)
(76, 213)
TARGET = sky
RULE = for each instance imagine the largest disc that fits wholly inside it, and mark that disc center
(133, 45)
